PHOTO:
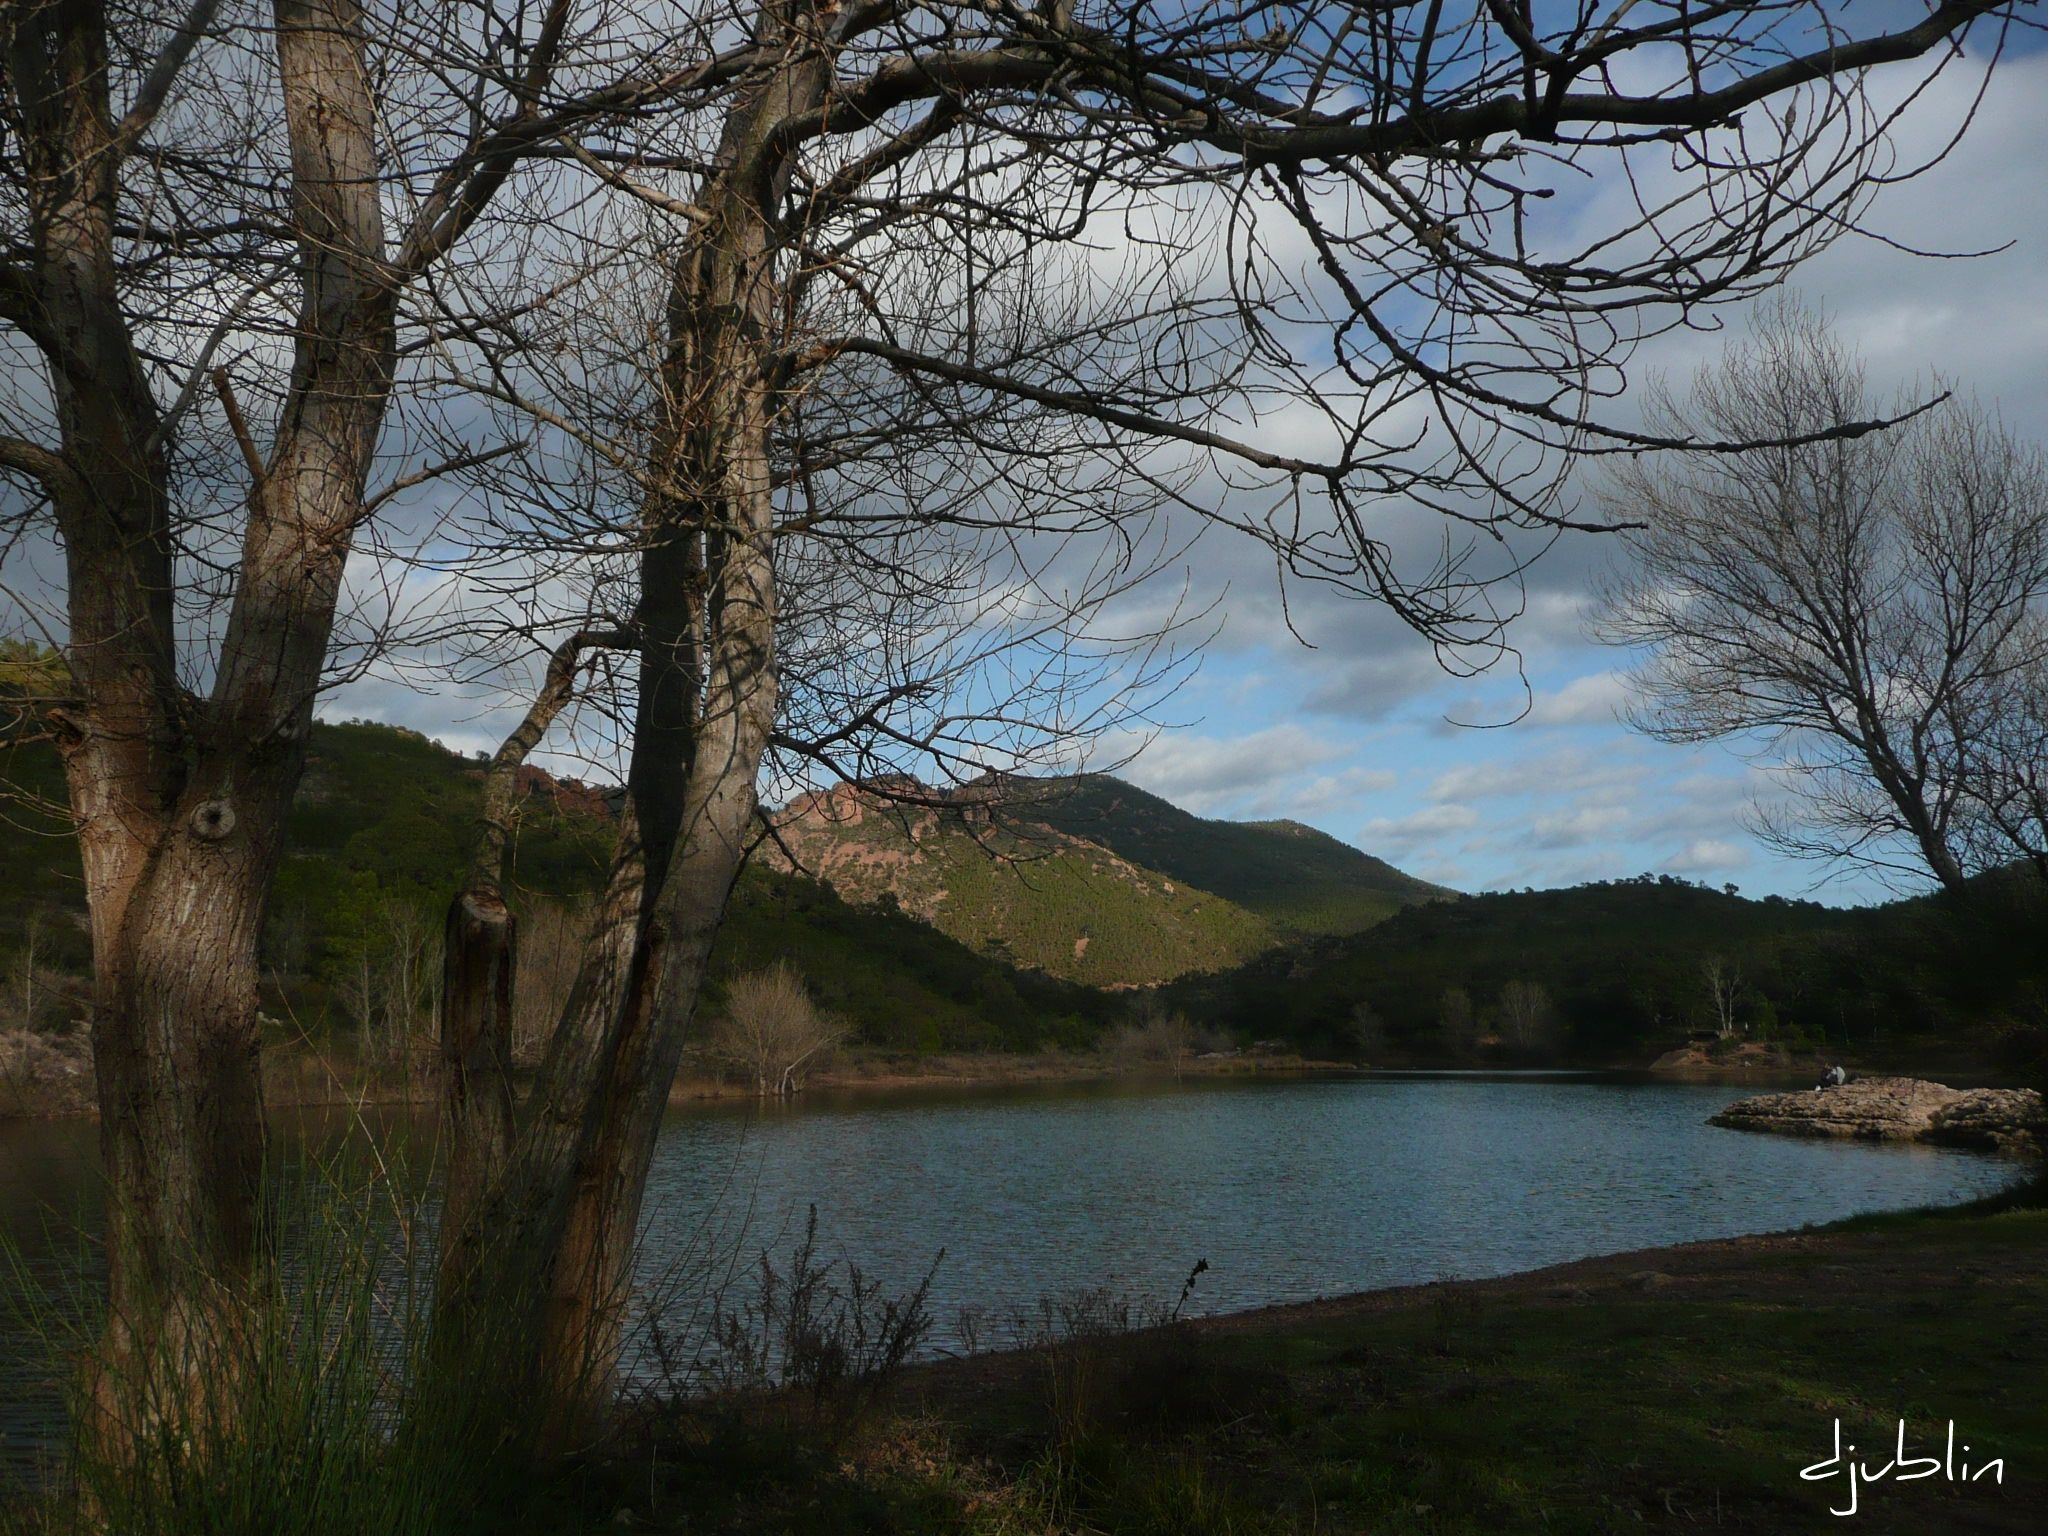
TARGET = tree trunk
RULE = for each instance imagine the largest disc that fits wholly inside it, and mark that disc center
(182, 1128)
(723, 316)
(479, 977)
(561, 1226)
(180, 801)
(479, 973)
(584, 1319)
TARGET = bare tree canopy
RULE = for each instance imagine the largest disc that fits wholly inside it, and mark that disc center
(1873, 612)
(794, 346)
(771, 1030)
(1300, 270)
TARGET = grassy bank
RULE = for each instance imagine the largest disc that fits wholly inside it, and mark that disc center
(1670, 1389)
(1675, 1389)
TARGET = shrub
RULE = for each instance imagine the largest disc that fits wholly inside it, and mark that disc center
(772, 1031)
(823, 1331)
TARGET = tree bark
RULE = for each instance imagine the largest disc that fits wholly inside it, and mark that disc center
(727, 305)
(180, 801)
(561, 1225)
(480, 974)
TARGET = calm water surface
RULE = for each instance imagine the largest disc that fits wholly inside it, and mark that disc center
(1290, 1190)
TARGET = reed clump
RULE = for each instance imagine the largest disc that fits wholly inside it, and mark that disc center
(315, 1402)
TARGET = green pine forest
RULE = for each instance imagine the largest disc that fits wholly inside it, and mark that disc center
(1343, 958)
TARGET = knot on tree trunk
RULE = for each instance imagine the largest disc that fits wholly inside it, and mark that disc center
(212, 820)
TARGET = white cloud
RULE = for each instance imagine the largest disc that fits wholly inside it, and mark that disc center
(1370, 687)
(1402, 834)
(1576, 770)
(1591, 700)
(1580, 826)
(1707, 856)
(1334, 791)
(1204, 773)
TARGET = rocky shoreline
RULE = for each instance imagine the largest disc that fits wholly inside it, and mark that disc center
(2005, 1120)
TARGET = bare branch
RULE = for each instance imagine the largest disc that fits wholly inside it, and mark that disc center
(251, 459)
(163, 74)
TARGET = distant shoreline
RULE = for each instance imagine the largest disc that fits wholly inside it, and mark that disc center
(300, 1078)
(304, 1078)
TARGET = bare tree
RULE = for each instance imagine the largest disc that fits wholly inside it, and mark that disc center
(772, 1030)
(1028, 272)
(217, 223)
(1724, 986)
(1157, 1034)
(1867, 609)
(31, 994)
(1528, 1020)
(2006, 780)
(1367, 1032)
(392, 982)
(955, 301)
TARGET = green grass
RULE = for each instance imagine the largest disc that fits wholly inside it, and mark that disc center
(316, 1404)
(1675, 1390)
(1602, 1416)
(1594, 1400)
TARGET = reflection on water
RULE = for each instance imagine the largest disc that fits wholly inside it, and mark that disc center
(1290, 1190)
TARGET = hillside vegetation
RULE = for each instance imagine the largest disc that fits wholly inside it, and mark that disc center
(1298, 879)
(923, 943)
(376, 844)
(1620, 970)
(1017, 889)
(1090, 878)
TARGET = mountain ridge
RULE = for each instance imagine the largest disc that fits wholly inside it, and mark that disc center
(1085, 876)
(1298, 877)
(971, 866)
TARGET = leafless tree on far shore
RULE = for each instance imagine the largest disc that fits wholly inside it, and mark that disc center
(1724, 988)
(1872, 612)
(1526, 1016)
(772, 1031)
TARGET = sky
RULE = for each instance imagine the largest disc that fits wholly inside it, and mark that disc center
(1336, 716)
(1366, 738)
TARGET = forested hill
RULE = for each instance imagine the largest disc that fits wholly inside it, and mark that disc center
(378, 839)
(1297, 878)
(1613, 973)
(926, 941)
(1087, 877)
(1618, 971)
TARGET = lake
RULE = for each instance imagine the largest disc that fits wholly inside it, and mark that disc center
(1290, 1189)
